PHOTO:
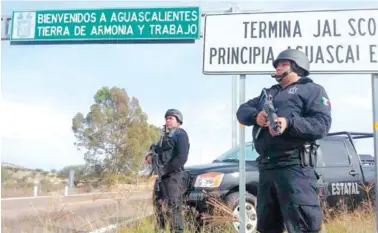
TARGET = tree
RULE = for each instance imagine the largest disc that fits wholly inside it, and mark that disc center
(115, 133)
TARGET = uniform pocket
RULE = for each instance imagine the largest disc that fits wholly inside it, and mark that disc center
(298, 186)
(304, 173)
(177, 181)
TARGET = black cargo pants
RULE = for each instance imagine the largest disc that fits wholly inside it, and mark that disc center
(170, 200)
(287, 196)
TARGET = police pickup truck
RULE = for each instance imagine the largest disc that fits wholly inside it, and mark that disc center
(342, 176)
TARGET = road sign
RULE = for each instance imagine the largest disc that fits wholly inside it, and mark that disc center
(337, 41)
(107, 24)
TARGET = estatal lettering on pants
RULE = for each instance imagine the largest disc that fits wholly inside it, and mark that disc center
(345, 188)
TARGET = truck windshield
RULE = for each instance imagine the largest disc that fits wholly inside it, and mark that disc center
(233, 155)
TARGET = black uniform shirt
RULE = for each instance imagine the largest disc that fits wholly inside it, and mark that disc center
(307, 109)
(180, 151)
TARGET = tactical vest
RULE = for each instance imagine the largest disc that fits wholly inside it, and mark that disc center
(166, 148)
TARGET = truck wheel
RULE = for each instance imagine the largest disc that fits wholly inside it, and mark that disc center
(232, 201)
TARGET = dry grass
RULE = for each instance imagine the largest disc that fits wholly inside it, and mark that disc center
(362, 220)
(336, 220)
(142, 183)
(359, 220)
(20, 188)
(60, 216)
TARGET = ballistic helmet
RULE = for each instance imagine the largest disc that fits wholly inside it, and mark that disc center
(176, 113)
(297, 57)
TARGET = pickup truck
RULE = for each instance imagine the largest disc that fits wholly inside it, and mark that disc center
(338, 165)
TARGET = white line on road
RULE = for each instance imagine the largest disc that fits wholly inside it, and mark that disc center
(114, 226)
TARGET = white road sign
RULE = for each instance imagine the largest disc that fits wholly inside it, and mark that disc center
(342, 41)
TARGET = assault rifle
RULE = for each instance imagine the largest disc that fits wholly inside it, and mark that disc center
(270, 111)
(157, 164)
(155, 157)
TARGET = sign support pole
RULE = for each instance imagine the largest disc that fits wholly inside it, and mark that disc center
(233, 111)
(242, 223)
(242, 228)
(374, 82)
(234, 92)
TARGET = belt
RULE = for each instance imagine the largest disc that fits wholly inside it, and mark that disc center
(279, 157)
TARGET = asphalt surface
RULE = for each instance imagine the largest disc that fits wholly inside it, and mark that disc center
(83, 213)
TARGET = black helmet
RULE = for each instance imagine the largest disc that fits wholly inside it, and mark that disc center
(298, 57)
(176, 113)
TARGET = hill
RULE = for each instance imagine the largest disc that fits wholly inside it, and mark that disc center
(19, 181)
(10, 165)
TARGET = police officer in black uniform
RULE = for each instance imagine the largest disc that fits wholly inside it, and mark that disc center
(172, 153)
(287, 191)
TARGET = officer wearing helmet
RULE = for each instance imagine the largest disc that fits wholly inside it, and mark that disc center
(172, 153)
(287, 192)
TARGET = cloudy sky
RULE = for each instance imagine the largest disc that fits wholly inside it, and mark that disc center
(44, 86)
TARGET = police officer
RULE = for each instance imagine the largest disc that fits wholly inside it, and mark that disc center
(172, 154)
(287, 191)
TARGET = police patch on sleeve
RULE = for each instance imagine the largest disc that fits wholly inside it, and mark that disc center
(325, 101)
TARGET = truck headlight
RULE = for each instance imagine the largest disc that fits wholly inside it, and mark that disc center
(209, 180)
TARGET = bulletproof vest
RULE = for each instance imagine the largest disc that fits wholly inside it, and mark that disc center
(166, 147)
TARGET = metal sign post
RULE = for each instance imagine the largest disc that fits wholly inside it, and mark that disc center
(242, 227)
(233, 111)
(234, 93)
(374, 84)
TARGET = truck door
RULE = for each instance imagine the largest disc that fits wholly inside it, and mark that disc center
(339, 174)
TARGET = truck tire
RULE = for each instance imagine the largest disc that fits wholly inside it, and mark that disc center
(232, 201)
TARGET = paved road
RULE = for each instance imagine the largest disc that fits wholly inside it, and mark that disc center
(72, 213)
